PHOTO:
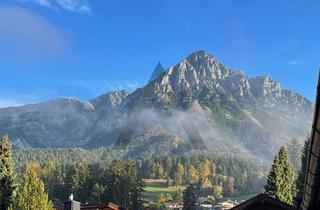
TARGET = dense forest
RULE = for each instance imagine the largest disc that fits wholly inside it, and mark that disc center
(109, 175)
(85, 172)
(106, 181)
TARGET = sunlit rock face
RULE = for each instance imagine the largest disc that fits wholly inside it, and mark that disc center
(231, 110)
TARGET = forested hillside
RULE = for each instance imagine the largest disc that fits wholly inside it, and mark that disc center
(83, 172)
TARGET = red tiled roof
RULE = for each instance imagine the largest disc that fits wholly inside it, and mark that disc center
(108, 206)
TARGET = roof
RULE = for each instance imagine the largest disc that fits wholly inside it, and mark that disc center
(265, 202)
(108, 206)
(311, 196)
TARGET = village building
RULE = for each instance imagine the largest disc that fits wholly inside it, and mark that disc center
(173, 205)
(206, 205)
(74, 205)
(224, 205)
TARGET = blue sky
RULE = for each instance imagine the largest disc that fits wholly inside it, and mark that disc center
(83, 48)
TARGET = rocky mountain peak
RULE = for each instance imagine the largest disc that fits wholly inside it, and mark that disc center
(202, 77)
(206, 65)
(265, 86)
(200, 55)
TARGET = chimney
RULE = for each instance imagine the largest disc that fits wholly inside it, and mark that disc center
(71, 204)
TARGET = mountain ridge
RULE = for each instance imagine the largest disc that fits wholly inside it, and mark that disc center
(254, 111)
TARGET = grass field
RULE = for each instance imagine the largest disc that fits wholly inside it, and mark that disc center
(154, 188)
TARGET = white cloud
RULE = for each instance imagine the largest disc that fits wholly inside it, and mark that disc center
(81, 6)
(286, 47)
(26, 34)
(294, 62)
(74, 5)
(45, 3)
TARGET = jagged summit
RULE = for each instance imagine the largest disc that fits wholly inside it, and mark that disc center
(200, 54)
(157, 71)
(201, 57)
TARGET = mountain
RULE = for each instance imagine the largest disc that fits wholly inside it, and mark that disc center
(62, 122)
(157, 71)
(257, 111)
(226, 109)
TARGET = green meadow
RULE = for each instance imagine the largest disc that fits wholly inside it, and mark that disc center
(155, 187)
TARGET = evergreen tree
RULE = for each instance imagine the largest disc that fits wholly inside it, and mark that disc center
(124, 185)
(229, 187)
(136, 187)
(179, 174)
(6, 175)
(178, 196)
(294, 149)
(281, 178)
(157, 171)
(301, 175)
(32, 194)
(96, 193)
(79, 182)
(213, 169)
(190, 197)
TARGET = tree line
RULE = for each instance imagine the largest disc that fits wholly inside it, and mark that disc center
(120, 180)
(106, 180)
(38, 187)
(220, 176)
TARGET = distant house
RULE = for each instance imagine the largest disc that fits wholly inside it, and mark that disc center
(225, 205)
(74, 205)
(173, 205)
(206, 205)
